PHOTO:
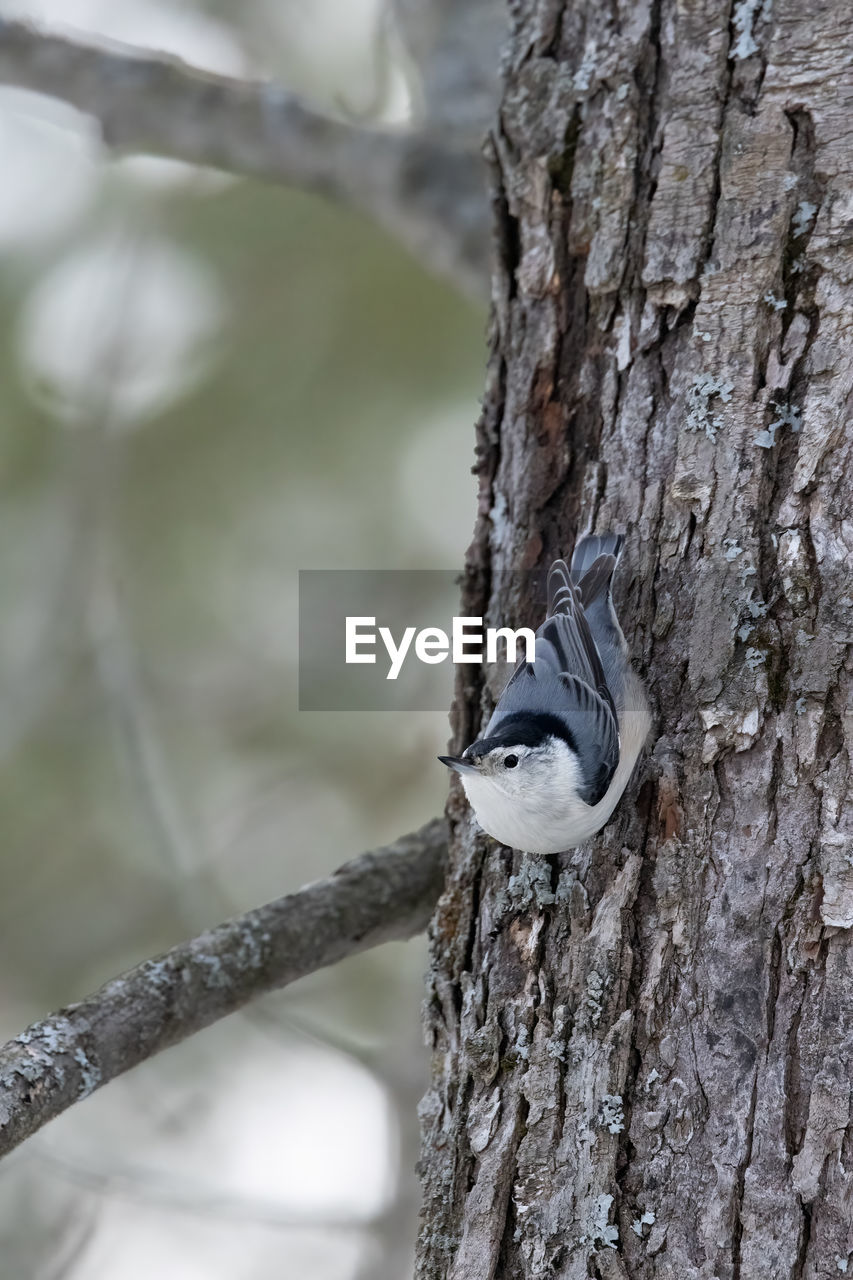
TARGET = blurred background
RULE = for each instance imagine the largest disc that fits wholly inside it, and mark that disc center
(206, 385)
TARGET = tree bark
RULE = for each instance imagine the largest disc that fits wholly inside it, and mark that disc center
(643, 1051)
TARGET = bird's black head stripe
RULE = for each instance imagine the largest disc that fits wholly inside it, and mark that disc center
(526, 729)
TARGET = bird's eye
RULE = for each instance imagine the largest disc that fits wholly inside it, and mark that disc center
(510, 762)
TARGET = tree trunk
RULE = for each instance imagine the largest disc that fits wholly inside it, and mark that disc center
(643, 1051)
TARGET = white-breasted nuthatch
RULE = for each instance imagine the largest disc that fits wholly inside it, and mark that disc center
(567, 730)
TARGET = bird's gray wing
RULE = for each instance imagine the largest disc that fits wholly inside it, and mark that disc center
(593, 565)
(593, 726)
(564, 641)
(567, 679)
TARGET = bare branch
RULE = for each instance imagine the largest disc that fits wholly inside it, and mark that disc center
(157, 1188)
(456, 49)
(379, 897)
(429, 193)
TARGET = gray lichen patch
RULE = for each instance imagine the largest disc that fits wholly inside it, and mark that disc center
(743, 20)
(531, 885)
(90, 1073)
(599, 1228)
(610, 1113)
(646, 1219)
(706, 388)
(787, 416)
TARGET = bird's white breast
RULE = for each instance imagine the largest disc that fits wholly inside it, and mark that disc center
(543, 812)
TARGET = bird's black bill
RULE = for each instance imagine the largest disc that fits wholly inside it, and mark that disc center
(458, 764)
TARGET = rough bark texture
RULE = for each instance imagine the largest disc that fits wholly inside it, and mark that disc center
(643, 1051)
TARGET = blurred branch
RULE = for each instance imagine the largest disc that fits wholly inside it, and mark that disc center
(379, 897)
(456, 50)
(429, 193)
(155, 1187)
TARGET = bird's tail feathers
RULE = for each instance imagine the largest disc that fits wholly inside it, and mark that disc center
(591, 548)
(593, 565)
(562, 592)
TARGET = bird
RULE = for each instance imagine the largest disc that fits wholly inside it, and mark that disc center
(563, 740)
